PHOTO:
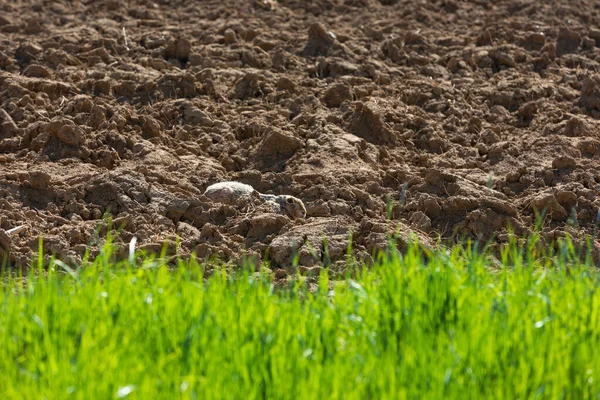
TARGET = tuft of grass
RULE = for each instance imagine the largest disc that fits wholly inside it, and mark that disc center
(456, 324)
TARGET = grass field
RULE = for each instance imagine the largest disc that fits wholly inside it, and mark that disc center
(460, 325)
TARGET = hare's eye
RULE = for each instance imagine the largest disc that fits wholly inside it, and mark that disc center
(289, 200)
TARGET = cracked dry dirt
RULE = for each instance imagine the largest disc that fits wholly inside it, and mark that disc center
(466, 115)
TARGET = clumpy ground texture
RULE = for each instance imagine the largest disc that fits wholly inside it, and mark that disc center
(464, 117)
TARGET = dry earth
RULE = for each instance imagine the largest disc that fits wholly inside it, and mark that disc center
(466, 116)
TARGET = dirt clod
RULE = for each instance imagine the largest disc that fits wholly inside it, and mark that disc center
(335, 95)
(568, 41)
(320, 40)
(564, 162)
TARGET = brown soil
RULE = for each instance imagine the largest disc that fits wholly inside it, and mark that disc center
(466, 115)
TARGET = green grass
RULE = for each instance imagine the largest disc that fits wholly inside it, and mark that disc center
(456, 326)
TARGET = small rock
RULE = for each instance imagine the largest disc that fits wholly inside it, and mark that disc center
(33, 26)
(5, 245)
(334, 67)
(336, 94)
(589, 147)
(279, 144)
(285, 83)
(28, 51)
(122, 222)
(430, 205)
(564, 162)
(595, 34)
(588, 43)
(546, 202)
(8, 128)
(176, 208)
(568, 41)
(280, 59)
(319, 42)
(513, 177)
(4, 20)
(65, 131)
(534, 41)
(151, 127)
(10, 145)
(265, 4)
(280, 273)
(102, 86)
(414, 38)
(367, 122)
(482, 59)
(178, 49)
(39, 180)
(489, 137)
(12, 28)
(229, 36)
(452, 65)
(501, 58)
(97, 116)
(567, 199)
(211, 233)
(420, 221)
(36, 71)
(71, 135)
(486, 37)
(185, 229)
(590, 93)
(526, 113)
(39, 141)
(575, 127)
(194, 115)
(318, 208)
(264, 225)
(435, 71)
(250, 85)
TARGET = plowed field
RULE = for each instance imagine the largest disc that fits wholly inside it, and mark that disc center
(446, 119)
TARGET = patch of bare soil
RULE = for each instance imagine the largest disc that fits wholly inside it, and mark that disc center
(467, 115)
